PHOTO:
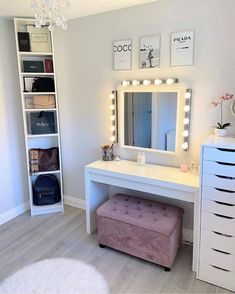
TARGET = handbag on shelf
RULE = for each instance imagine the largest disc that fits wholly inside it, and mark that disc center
(41, 160)
(43, 84)
(42, 122)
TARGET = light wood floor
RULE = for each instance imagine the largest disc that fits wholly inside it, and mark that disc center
(25, 240)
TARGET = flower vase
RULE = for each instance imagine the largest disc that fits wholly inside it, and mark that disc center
(220, 132)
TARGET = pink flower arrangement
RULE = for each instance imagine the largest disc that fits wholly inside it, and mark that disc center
(219, 101)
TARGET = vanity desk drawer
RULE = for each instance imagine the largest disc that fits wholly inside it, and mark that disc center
(218, 194)
(218, 240)
(218, 223)
(221, 182)
(219, 258)
(217, 276)
(226, 155)
(219, 168)
(218, 207)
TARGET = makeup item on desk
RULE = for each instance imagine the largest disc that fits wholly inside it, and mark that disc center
(193, 166)
(117, 158)
(107, 152)
(141, 160)
(184, 167)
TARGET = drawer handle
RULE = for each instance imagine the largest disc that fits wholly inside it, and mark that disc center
(220, 251)
(221, 234)
(223, 216)
(223, 190)
(220, 268)
(225, 177)
(223, 203)
(226, 150)
(225, 163)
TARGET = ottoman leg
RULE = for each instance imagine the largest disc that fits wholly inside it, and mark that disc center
(101, 245)
(167, 269)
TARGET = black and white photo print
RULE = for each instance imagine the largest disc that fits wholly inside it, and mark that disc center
(122, 54)
(182, 48)
(150, 51)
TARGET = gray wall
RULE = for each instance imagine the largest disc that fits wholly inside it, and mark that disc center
(85, 76)
(13, 180)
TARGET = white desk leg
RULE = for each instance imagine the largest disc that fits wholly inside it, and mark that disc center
(195, 233)
(96, 194)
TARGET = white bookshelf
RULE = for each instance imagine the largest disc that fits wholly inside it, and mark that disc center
(41, 140)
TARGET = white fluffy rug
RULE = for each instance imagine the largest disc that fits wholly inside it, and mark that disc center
(54, 276)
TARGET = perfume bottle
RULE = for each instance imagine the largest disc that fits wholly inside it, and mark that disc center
(141, 160)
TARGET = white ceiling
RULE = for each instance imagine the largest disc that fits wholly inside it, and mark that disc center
(78, 8)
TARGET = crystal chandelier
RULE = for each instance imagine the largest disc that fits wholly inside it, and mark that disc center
(53, 12)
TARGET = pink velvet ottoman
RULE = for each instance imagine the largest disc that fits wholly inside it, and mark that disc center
(140, 227)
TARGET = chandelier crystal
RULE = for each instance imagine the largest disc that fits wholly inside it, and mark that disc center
(53, 12)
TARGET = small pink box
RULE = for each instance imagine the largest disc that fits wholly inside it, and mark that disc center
(184, 167)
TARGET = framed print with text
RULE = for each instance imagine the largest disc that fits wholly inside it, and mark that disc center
(182, 48)
(149, 55)
(122, 54)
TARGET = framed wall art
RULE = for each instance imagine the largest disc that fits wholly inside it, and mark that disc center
(182, 48)
(149, 55)
(122, 54)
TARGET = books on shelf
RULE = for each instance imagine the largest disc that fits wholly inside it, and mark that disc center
(40, 39)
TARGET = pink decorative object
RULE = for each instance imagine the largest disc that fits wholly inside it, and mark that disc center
(184, 167)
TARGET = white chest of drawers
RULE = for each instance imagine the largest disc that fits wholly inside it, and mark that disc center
(217, 226)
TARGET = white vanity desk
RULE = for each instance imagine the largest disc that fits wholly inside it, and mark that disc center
(154, 179)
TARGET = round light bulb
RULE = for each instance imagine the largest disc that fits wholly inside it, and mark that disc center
(185, 145)
(125, 83)
(170, 81)
(135, 83)
(112, 128)
(112, 107)
(112, 117)
(185, 133)
(146, 82)
(186, 108)
(111, 96)
(112, 139)
(187, 95)
(158, 82)
(186, 121)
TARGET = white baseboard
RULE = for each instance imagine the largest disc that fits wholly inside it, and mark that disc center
(13, 212)
(75, 202)
(187, 236)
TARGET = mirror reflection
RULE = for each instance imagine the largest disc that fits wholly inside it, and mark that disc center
(150, 120)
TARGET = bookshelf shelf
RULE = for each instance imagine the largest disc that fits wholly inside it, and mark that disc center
(25, 27)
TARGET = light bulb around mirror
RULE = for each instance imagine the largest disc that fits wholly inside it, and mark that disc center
(112, 107)
(112, 138)
(186, 108)
(185, 133)
(135, 83)
(170, 81)
(125, 83)
(111, 96)
(112, 117)
(186, 121)
(157, 82)
(187, 95)
(185, 146)
(112, 128)
(146, 82)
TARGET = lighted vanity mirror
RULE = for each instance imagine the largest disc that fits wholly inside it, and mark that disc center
(150, 120)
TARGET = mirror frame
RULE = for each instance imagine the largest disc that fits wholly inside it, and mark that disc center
(176, 88)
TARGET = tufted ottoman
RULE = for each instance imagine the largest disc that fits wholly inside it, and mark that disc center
(143, 228)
